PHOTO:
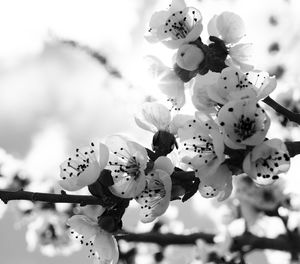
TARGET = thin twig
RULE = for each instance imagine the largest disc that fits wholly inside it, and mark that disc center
(167, 239)
(7, 196)
(295, 117)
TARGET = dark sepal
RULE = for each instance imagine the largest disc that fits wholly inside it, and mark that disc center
(106, 178)
(184, 74)
(191, 191)
(163, 143)
(151, 154)
(106, 198)
(183, 175)
(216, 54)
(108, 223)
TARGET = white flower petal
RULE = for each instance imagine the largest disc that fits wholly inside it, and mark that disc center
(155, 198)
(212, 27)
(176, 6)
(153, 115)
(163, 163)
(81, 170)
(218, 183)
(106, 248)
(266, 161)
(103, 155)
(244, 122)
(230, 26)
(178, 121)
(83, 225)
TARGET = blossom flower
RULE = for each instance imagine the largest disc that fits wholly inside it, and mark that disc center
(230, 28)
(200, 92)
(218, 183)
(103, 246)
(175, 26)
(233, 84)
(266, 161)
(47, 231)
(167, 81)
(155, 198)
(83, 168)
(201, 144)
(127, 162)
(244, 123)
(268, 198)
(155, 117)
(220, 247)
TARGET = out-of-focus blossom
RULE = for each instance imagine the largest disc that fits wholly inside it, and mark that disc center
(47, 231)
(230, 28)
(167, 81)
(84, 168)
(201, 144)
(266, 161)
(189, 57)
(103, 246)
(220, 248)
(201, 88)
(267, 198)
(218, 183)
(127, 162)
(155, 117)
(155, 198)
(244, 123)
(175, 26)
(236, 85)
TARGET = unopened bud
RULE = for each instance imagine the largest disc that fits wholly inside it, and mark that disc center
(189, 57)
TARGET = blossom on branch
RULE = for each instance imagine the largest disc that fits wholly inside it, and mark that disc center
(103, 246)
(127, 163)
(218, 183)
(236, 85)
(155, 198)
(176, 26)
(200, 92)
(244, 123)
(155, 117)
(230, 28)
(83, 168)
(167, 81)
(266, 161)
(201, 144)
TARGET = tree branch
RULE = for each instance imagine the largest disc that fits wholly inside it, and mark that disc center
(167, 239)
(7, 196)
(295, 117)
(281, 242)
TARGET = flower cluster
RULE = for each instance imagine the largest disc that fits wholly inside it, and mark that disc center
(225, 136)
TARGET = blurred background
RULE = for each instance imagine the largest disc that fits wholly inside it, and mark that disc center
(71, 72)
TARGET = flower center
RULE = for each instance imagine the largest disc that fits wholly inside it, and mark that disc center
(245, 127)
(133, 167)
(180, 24)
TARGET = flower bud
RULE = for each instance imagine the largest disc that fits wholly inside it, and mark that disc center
(189, 57)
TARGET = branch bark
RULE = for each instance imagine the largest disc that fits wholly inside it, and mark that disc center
(7, 196)
(167, 239)
(282, 242)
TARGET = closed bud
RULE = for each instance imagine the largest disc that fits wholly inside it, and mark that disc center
(189, 57)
